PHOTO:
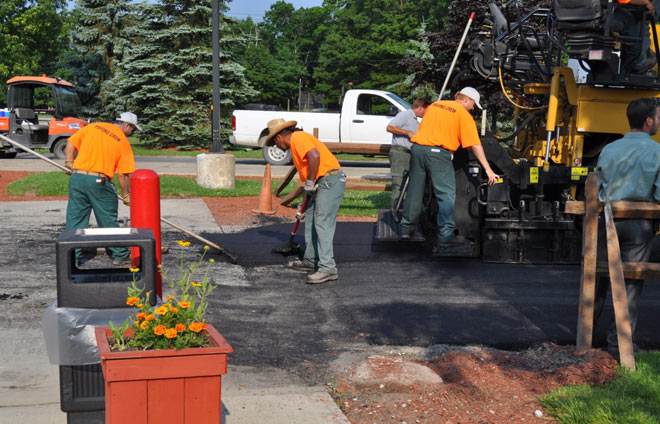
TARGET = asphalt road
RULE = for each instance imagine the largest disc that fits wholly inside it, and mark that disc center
(386, 295)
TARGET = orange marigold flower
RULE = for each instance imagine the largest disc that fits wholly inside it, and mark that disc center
(159, 330)
(144, 325)
(141, 315)
(132, 300)
(184, 305)
(174, 310)
(180, 328)
(161, 310)
(195, 326)
(168, 298)
(136, 322)
(203, 324)
(195, 283)
(150, 317)
(183, 243)
(171, 333)
(139, 305)
(134, 269)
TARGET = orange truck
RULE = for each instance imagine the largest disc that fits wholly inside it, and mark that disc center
(41, 113)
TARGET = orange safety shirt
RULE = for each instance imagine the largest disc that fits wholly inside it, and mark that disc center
(103, 147)
(301, 143)
(447, 124)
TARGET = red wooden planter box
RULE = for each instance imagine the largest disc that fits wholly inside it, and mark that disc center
(164, 386)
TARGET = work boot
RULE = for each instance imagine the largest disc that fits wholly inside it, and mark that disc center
(452, 242)
(407, 233)
(299, 265)
(321, 277)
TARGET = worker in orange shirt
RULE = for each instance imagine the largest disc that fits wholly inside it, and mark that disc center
(644, 58)
(103, 149)
(325, 183)
(446, 126)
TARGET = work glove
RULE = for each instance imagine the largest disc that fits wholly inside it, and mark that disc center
(69, 165)
(300, 215)
(310, 187)
(126, 199)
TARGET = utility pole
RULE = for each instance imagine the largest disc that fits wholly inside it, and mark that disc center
(216, 146)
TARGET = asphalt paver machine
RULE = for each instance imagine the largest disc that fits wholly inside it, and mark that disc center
(559, 125)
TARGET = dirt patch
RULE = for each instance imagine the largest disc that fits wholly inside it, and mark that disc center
(464, 385)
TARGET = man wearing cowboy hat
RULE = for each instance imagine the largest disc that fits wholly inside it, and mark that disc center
(324, 184)
(103, 150)
(446, 126)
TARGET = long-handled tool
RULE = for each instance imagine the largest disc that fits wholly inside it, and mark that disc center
(399, 202)
(229, 254)
(458, 51)
(290, 247)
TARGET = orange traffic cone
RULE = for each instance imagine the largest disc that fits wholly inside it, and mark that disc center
(265, 205)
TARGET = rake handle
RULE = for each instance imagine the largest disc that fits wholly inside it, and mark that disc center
(302, 210)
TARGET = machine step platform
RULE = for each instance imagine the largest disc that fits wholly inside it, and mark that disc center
(387, 229)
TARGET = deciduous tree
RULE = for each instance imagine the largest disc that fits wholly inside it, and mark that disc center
(32, 36)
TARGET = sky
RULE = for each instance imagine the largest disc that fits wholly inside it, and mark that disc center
(241, 9)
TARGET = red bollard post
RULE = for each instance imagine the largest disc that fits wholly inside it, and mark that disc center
(145, 212)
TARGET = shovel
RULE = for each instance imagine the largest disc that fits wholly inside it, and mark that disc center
(229, 254)
(290, 247)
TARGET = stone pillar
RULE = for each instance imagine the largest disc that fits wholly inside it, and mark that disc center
(215, 170)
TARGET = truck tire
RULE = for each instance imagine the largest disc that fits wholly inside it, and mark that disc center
(276, 156)
(59, 148)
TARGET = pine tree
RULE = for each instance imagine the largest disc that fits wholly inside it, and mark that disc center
(165, 75)
(95, 44)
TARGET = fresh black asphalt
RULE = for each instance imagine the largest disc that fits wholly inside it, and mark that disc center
(397, 294)
(394, 294)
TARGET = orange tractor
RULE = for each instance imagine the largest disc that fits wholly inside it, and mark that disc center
(41, 113)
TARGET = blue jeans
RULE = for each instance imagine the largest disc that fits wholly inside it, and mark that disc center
(321, 221)
(436, 164)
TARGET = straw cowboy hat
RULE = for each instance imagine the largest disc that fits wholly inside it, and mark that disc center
(275, 126)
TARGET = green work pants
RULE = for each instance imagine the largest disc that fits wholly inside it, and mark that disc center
(435, 163)
(321, 220)
(87, 194)
(399, 165)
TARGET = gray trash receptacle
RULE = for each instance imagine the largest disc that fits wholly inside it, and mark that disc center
(82, 394)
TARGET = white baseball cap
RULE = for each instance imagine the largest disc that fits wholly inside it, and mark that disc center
(131, 118)
(473, 94)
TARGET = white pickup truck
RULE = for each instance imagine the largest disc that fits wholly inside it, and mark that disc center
(363, 119)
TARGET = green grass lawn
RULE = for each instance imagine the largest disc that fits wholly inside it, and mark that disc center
(632, 398)
(355, 203)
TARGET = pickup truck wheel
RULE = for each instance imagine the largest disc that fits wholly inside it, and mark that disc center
(276, 156)
(59, 148)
